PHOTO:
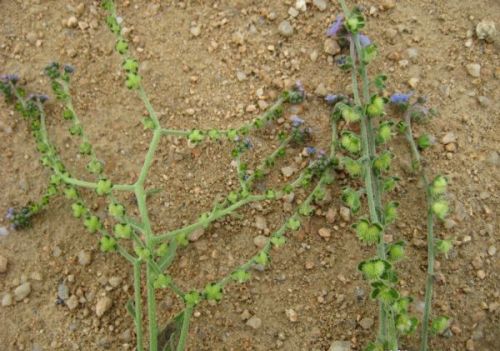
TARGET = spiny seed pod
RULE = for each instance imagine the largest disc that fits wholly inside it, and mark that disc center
(439, 185)
(369, 233)
(240, 276)
(440, 324)
(440, 208)
(116, 210)
(92, 223)
(108, 244)
(162, 281)
(104, 187)
(123, 230)
(213, 292)
(351, 142)
(293, 223)
(278, 241)
(376, 106)
(192, 298)
(374, 269)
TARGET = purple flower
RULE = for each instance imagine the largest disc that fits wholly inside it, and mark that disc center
(12, 78)
(364, 40)
(10, 214)
(400, 98)
(299, 87)
(335, 27)
(332, 99)
(311, 150)
(296, 121)
(40, 97)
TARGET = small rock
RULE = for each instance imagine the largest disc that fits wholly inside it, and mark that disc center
(31, 37)
(72, 22)
(320, 4)
(366, 323)
(115, 281)
(63, 291)
(103, 306)
(309, 265)
(412, 54)
(3, 264)
(313, 56)
(388, 4)
(301, 5)
(37, 276)
(469, 345)
(474, 69)
(486, 30)
(484, 101)
(288, 171)
(126, 336)
(324, 233)
(7, 300)
(292, 315)
(84, 258)
(260, 222)
(449, 138)
(285, 29)
(340, 346)
(330, 216)
(260, 241)
(345, 214)
(492, 250)
(293, 12)
(254, 322)
(195, 31)
(22, 291)
(4, 231)
(56, 252)
(245, 315)
(238, 38)
(331, 47)
(481, 274)
(83, 25)
(321, 90)
(241, 76)
(413, 82)
(194, 236)
(72, 302)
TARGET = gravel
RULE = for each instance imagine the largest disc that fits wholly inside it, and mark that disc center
(84, 258)
(103, 305)
(285, 29)
(474, 70)
(3, 264)
(7, 300)
(340, 346)
(254, 322)
(22, 291)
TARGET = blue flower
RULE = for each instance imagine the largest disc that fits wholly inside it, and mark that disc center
(299, 87)
(69, 69)
(311, 150)
(400, 98)
(364, 40)
(38, 97)
(335, 27)
(332, 99)
(296, 121)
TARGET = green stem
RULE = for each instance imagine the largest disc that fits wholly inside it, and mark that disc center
(138, 304)
(186, 318)
(424, 337)
(151, 301)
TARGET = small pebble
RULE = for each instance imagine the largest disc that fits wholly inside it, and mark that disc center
(115, 281)
(492, 250)
(22, 291)
(331, 47)
(288, 171)
(301, 5)
(474, 69)
(260, 241)
(3, 264)
(292, 315)
(449, 138)
(366, 323)
(72, 22)
(7, 300)
(254, 322)
(324, 233)
(198, 233)
(103, 305)
(195, 31)
(72, 302)
(345, 214)
(388, 4)
(340, 346)
(486, 30)
(84, 258)
(241, 76)
(321, 90)
(4, 231)
(260, 222)
(285, 29)
(320, 4)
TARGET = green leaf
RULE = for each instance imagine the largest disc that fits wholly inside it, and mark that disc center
(162, 250)
(85, 148)
(92, 224)
(121, 46)
(405, 324)
(355, 22)
(440, 324)
(293, 223)
(133, 81)
(71, 193)
(261, 258)
(192, 298)
(390, 212)
(444, 246)
(95, 167)
(123, 230)
(278, 241)
(351, 198)
(390, 184)
(379, 81)
(424, 141)
(196, 136)
(182, 240)
(130, 65)
(351, 142)
(402, 305)
(108, 244)
(270, 194)
(142, 252)
(240, 276)
(104, 187)
(376, 106)
(440, 208)
(213, 292)
(369, 53)
(162, 281)
(78, 209)
(148, 123)
(214, 134)
(395, 251)
(232, 197)
(439, 186)
(68, 114)
(116, 210)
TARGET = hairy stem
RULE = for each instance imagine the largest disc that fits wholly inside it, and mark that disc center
(138, 304)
